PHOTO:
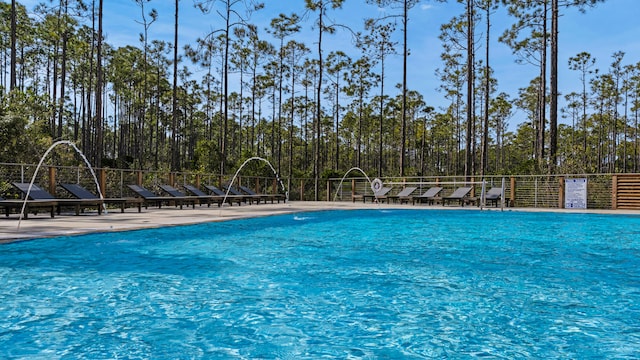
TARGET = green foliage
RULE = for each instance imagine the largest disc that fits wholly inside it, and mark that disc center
(207, 155)
(12, 130)
(331, 174)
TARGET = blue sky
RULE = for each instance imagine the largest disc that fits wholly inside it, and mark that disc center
(607, 28)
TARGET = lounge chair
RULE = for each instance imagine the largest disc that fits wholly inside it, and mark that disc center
(430, 196)
(404, 195)
(204, 196)
(247, 198)
(460, 195)
(37, 193)
(264, 197)
(230, 199)
(186, 198)
(493, 195)
(150, 197)
(81, 192)
(30, 206)
(380, 195)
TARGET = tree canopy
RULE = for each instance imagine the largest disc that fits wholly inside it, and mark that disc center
(312, 110)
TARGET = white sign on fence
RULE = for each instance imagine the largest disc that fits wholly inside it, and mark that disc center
(575, 193)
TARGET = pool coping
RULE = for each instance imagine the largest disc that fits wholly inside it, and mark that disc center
(42, 226)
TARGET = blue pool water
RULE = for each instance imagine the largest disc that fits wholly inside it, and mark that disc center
(349, 284)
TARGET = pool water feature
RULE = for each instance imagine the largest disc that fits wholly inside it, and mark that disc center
(360, 284)
(43, 157)
(256, 158)
(338, 190)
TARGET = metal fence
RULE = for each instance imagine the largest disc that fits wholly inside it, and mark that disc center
(535, 191)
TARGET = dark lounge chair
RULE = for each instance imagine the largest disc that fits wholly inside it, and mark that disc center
(190, 199)
(430, 196)
(380, 195)
(404, 195)
(30, 206)
(264, 197)
(247, 198)
(494, 195)
(460, 195)
(81, 192)
(202, 196)
(37, 193)
(150, 197)
(230, 199)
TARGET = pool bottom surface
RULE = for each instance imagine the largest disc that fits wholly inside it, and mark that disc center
(342, 284)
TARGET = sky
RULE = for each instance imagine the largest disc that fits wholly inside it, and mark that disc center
(607, 28)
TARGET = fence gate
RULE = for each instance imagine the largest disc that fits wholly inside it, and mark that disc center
(626, 191)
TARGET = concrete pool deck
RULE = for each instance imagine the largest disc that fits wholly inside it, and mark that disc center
(42, 225)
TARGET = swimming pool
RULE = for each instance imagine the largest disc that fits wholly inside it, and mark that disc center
(364, 284)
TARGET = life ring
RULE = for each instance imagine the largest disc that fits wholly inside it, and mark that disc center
(376, 185)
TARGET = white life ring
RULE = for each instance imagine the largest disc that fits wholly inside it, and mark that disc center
(376, 185)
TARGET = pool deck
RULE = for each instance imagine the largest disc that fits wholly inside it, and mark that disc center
(42, 225)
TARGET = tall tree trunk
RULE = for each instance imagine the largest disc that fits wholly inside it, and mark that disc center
(380, 122)
(316, 156)
(636, 143)
(468, 164)
(225, 120)
(553, 110)
(54, 90)
(99, 85)
(278, 134)
(88, 113)
(542, 105)
(487, 88)
(63, 78)
(291, 127)
(241, 107)
(405, 54)
(12, 81)
(359, 137)
(252, 137)
(174, 123)
(336, 165)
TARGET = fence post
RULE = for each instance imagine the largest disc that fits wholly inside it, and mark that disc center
(301, 189)
(614, 192)
(502, 200)
(473, 188)
(328, 190)
(139, 177)
(102, 181)
(512, 192)
(52, 180)
(561, 192)
(353, 190)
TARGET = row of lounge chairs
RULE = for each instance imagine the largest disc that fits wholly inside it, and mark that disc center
(196, 196)
(432, 195)
(80, 198)
(38, 199)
